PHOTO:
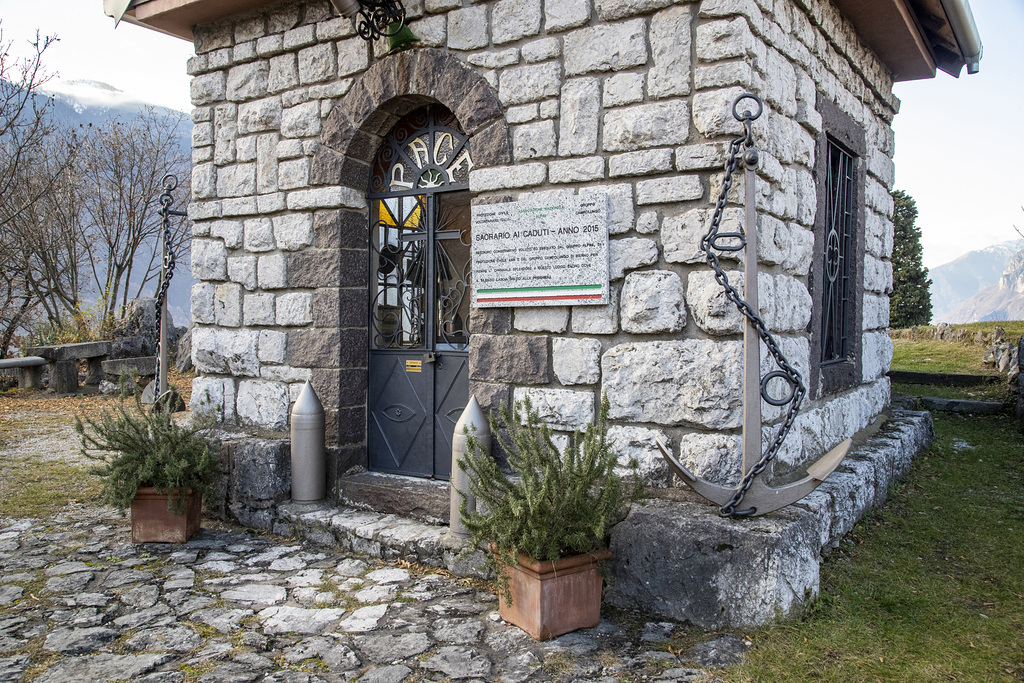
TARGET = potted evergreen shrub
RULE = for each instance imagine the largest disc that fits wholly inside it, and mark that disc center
(546, 523)
(155, 466)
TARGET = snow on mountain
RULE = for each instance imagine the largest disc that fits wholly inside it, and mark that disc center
(960, 279)
(1002, 301)
(85, 102)
(82, 95)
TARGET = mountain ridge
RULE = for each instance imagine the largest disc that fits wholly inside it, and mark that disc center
(1002, 301)
(96, 103)
(958, 280)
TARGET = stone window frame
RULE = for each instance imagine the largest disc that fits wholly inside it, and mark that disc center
(840, 129)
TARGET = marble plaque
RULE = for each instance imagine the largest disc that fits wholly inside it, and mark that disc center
(541, 253)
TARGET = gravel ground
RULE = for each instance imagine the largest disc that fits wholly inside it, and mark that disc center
(79, 602)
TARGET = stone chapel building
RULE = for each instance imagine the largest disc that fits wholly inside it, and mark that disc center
(332, 202)
(332, 188)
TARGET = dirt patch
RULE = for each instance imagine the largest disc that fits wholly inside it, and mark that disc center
(37, 424)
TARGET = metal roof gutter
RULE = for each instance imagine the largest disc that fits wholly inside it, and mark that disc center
(116, 9)
(961, 20)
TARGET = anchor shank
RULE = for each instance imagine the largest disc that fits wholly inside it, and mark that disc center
(751, 341)
(753, 496)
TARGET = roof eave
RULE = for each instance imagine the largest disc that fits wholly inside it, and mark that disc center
(913, 38)
(889, 27)
(177, 17)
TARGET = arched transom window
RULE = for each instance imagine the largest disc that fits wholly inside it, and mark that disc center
(427, 150)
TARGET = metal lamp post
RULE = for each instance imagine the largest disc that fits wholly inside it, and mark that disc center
(167, 261)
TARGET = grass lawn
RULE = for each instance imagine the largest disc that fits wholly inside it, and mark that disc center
(31, 486)
(996, 391)
(930, 355)
(929, 588)
(939, 356)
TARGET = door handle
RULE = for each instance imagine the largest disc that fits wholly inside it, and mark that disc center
(429, 357)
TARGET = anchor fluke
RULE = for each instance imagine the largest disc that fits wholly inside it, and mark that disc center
(760, 498)
(827, 463)
(713, 492)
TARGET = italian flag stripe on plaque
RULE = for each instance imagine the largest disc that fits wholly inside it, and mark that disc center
(538, 294)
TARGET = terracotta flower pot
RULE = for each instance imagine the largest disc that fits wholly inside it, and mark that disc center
(152, 522)
(552, 598)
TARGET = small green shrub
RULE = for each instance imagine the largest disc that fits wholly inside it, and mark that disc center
(554, 505)
(142, 447)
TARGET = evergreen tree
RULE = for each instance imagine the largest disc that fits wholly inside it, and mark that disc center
(911, 302)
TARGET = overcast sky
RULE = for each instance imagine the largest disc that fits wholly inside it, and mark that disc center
(959, 142)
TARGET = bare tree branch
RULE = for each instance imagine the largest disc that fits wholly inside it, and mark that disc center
(78, 207)
(122, 166)
(24, 122)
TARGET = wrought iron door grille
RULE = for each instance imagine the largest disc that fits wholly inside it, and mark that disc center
(420, 234)
(401, 275)
(452, 264)
(425, 151)
(836, 254)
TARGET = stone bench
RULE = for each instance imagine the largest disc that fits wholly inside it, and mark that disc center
(63, 363)
(142, 366)
(30, 370)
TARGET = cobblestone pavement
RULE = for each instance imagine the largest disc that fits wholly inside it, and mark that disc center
(78, 602)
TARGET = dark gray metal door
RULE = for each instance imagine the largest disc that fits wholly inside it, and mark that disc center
(419, 273)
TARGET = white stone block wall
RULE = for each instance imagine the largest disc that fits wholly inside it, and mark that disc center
(628, 98)
(269, 246)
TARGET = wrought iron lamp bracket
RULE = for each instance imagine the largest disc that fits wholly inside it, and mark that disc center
(376, 18)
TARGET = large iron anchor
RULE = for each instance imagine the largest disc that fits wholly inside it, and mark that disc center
(755, 496)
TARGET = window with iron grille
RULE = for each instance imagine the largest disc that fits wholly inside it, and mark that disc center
(836, 287)
(836, 276)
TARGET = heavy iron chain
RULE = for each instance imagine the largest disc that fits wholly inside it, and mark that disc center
(170, 182)
(736, 241)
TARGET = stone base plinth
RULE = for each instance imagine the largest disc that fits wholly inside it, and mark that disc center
(683, 561)
(677, 559)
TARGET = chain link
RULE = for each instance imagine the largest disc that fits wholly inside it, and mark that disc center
(170, 182)
(709, 244)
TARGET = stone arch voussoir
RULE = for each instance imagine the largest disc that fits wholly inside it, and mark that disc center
(391, 88)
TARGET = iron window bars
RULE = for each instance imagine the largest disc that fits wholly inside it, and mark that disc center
(835, 319)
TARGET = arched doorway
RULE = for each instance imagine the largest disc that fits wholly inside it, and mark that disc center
(419, 294)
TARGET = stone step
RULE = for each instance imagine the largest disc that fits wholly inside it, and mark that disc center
(676, 558)
(386, 536)
(949, 405)
(957, 405)
(944, 379)
(257, 492)
(425, 500)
